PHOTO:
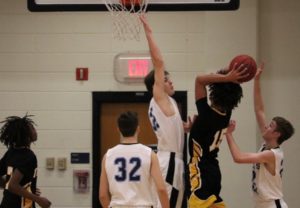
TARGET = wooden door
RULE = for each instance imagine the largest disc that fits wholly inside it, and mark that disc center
(108, 124)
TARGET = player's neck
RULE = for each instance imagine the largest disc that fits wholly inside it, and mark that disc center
(20, 147)
(271, 145)
(129, 140)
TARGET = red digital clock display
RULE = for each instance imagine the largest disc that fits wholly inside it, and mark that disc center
(138, 68)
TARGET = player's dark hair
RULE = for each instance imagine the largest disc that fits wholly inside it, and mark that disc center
(149, 80)
(17, 131)
(284, 127)
(128, 123)
(226, 95)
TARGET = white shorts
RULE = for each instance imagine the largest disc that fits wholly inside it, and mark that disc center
(278, 203)
(172, 168)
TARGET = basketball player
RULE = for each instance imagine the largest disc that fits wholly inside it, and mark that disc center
(268, 162)
(128, 169)
(205, 135)
(166, 122)
(19, 164)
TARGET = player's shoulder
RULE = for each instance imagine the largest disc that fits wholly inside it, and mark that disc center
(143, 147)
(22, 152)
(277, 152)
(202, 102)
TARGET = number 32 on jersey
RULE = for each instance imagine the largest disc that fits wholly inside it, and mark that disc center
(128, 169)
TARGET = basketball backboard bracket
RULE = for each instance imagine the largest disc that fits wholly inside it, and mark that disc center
(154, 5)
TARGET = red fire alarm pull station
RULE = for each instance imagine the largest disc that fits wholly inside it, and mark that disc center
(82, 73)
(81, 180)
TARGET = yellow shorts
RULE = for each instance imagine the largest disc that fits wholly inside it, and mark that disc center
(195, 202)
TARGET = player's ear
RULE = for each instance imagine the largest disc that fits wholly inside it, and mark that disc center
(119, 131)
(137, 130)
(277, 134)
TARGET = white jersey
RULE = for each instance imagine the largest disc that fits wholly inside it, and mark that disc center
(170, 135)
(168, 129)
(266, 187)
(128, 170)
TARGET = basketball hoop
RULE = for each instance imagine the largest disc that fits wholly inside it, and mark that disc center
(125, 13)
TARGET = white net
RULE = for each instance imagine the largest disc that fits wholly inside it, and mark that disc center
(125, 14)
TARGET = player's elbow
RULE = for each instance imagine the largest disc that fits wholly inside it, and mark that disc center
(162, 191)
(163, 196)
(202, 80)
(199, 79)
(238, 160)
(12, 188)
(103, 198)
(158, 63)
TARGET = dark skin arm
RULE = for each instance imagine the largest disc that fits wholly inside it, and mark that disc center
(202, 81)
(14, 187)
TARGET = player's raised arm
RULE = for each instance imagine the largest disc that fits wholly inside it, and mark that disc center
(104, 195)
(159, 181)
(157, 60)
(222, 76)
(258, 101)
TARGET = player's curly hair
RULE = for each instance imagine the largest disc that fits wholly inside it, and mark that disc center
(226, 95)
(17, 131)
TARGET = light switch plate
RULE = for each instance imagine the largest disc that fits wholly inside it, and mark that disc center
(62, 163)
(50, 163)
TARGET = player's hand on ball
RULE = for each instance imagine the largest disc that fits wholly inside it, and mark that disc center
(238, 73)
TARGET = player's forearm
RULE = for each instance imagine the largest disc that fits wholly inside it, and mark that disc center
(258, 102)
(210, 78)
(234, 149)
(19, 190)
(155, 52)
(163, 197)
(105, 201)
(202, 81)
(259, 106)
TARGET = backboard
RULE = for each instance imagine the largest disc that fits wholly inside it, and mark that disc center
(154, 5)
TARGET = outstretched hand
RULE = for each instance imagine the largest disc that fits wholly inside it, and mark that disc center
(260, 69)
(188, 125)
(231, 127)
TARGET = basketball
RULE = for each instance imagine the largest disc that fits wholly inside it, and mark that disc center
(130, 2)
(248, 62)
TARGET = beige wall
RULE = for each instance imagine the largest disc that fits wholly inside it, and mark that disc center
(279, 47)
(40, 51)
